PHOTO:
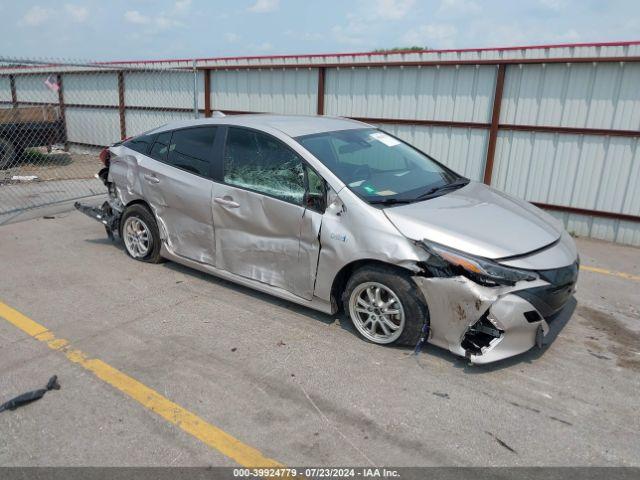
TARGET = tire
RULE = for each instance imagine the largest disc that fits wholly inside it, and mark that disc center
(8, 154)
(139, 232)
(396, 290)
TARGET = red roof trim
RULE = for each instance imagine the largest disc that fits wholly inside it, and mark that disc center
(352, 54)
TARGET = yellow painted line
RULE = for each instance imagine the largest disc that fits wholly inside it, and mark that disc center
(604, 271)
(195, 426)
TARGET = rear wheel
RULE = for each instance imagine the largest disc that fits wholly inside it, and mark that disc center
(140, 234)
(385, 305)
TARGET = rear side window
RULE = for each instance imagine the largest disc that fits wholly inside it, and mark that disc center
(161, 147)
(262, 163)
(140, 143)
(191, 149)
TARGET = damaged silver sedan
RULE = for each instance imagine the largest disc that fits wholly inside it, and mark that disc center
(336, 214)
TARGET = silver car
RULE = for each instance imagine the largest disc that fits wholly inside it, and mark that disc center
(335, 214)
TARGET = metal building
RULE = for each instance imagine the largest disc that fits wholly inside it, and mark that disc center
(556, 125)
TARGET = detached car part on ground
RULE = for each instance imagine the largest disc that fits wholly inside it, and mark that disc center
(332, 213)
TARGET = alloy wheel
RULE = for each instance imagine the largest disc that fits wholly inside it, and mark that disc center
(376, 312)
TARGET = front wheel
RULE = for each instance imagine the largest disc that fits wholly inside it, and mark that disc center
(385, 305)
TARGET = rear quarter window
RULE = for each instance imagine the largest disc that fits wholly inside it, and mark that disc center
(191, 149)
(140, 144)
(161, 147)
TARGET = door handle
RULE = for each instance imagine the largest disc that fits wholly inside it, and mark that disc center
(151, 178)
(226, 202)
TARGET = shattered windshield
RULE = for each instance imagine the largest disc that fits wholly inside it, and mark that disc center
(379, 167)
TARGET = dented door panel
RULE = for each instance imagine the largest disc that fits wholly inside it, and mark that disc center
(182, 204)
(265, 239)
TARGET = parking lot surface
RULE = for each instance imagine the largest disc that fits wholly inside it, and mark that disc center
(296, 385)
(41, 178)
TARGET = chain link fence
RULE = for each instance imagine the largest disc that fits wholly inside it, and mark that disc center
(55, 117)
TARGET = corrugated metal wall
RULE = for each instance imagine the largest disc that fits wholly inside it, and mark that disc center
(86, 124)
(601, 95)
(91, 126)
(585, 171)
(5, 89)
(461, 93)
(90, 88)
(31, 88)
(282, 91)
(170, 93)
(164, 90)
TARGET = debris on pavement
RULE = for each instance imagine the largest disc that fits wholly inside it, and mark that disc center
(32, 396)
(441, 394)
(24, 178)
(423, 338)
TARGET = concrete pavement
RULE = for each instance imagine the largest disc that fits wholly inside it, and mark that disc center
(295, 384)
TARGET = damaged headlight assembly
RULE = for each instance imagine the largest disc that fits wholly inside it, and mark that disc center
(445, 261)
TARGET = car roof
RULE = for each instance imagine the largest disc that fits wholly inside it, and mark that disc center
(291, 125)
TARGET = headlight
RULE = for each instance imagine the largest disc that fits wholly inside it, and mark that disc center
(480, 270)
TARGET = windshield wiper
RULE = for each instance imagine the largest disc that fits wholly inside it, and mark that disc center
(459, 183)
(389, 201)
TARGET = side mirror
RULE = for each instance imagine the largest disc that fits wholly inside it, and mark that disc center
(315, 201)
(315, 195)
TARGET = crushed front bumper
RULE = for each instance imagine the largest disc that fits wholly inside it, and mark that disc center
(484, 324)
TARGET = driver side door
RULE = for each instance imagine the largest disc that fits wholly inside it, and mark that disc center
(264, 229)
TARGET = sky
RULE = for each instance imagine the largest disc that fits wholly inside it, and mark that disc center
(95, 30)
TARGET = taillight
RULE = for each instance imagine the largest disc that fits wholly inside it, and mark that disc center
(105, 156)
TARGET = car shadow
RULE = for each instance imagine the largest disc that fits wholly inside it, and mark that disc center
(106, 241)
(556, 323)
(265, 297)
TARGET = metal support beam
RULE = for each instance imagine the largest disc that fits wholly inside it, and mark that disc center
(592, 213)
(195, 89)
(424, 63)
(424, 123)
(321, 77)
(495, 119)
(63, 117)
(207, 92)
(121, 106)
(14, 93)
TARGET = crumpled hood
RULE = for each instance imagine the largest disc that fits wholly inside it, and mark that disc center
(478, 220)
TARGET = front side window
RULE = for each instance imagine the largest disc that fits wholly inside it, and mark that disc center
(379, 167)
(191, 149)
(259, 162)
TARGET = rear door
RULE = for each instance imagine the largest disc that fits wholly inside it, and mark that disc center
(264, 229)
(177, 183)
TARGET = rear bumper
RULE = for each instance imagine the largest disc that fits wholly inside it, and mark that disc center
(106, 215)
